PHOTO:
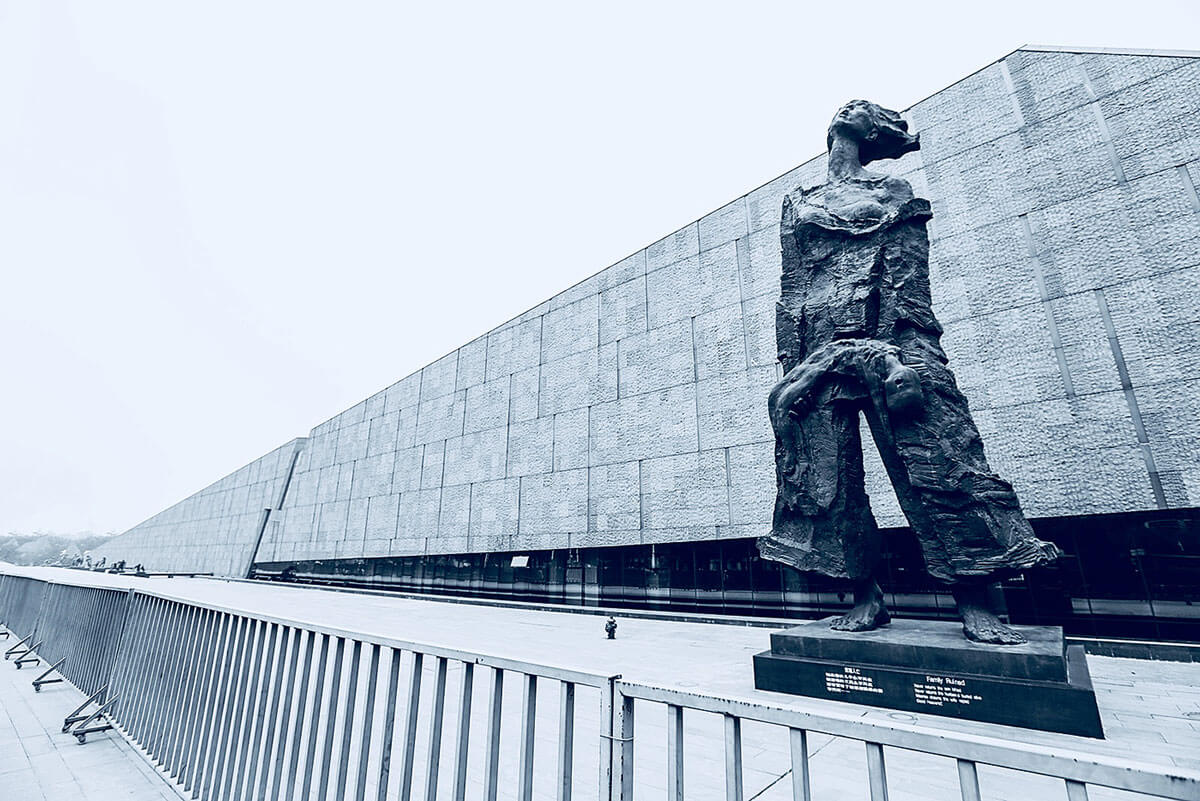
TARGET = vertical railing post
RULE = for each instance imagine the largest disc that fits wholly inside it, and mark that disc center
(101, 640)
(37, 620)
(491, 773)
(157, 654)
(607, 733)
(196, 695)
(139, 669)
(435, 728)
(463, 735)
(75, 633)
(412, 709)
(968, 780)
(1076, 791)
(801, 782)
(566, 740)
(130, 687)
(674, 753)
(80, 635)
(622, 772)
(528, 727)
(876, 774)
(348, 724)
(364, 751)
(389, 724)
(170, 654)
(229, 747)
(733, 758)
(106, 634)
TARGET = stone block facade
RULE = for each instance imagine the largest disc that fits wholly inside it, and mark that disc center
(215, 530)
(631, 408)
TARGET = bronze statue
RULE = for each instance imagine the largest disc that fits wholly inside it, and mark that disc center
(856, 334)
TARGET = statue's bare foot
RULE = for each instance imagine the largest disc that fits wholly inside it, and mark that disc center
(981, 625)
(865, 616)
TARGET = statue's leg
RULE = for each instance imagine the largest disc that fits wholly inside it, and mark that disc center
(822, 520)
(859, 537)
(968, 527)
(869, 611)
(979, 619)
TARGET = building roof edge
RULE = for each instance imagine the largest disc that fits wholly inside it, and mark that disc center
(1111, 51)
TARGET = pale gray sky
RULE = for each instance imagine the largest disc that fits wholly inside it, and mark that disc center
(223, 222)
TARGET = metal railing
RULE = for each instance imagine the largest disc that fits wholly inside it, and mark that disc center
(80, 629)
(1075, 769)
(237, 705)
(234, 705)
(21, 604)
(229, 699)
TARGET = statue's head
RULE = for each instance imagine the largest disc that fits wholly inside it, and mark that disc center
(902, 390)
(880, 132)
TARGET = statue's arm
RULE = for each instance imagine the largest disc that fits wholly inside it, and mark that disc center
(906, 272)
(797, 390)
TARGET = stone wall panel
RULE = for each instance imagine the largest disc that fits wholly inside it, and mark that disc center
(614, 502)
(623, 310)
(494, 509)
(553, 505)
(577, 381)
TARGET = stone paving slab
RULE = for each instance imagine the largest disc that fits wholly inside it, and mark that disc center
(1150, 710)
(38, 762)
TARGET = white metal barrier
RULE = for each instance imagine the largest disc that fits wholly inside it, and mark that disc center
(1076, 769)
(233, 705)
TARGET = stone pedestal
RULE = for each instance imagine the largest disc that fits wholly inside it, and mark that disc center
(930, 667)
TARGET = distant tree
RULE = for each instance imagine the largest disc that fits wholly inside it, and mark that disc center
(46, 547)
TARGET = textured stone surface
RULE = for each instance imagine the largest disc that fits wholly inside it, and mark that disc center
(216, 529)
(993, 163)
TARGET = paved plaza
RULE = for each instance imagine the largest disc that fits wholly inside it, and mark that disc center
(38, 762)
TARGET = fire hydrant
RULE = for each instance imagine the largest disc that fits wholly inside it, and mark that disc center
(610, 628)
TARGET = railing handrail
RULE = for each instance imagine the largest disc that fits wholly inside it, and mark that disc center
(1163, 780)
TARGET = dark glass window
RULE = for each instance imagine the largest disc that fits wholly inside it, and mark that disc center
(709, 584)
(767, 579)
(1129, 575)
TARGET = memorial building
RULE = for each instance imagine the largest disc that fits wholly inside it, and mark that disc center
(612, 446)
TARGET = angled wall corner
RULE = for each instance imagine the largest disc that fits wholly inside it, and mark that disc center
(215, 530)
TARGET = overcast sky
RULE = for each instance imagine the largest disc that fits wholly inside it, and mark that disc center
(223, 222)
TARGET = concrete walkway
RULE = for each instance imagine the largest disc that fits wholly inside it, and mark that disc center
(38, 762)
(1150, 710)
